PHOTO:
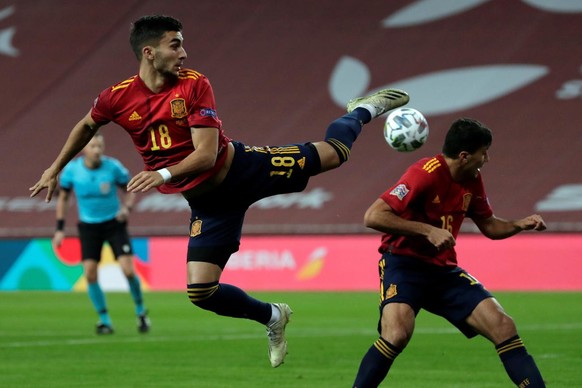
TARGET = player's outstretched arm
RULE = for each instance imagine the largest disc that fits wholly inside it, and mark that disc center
(497, 228)
(533, 222)
(80, 135)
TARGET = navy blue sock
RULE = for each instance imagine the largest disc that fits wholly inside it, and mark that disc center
(227, 300)
(376, 364)
(519, 365)
(362, 114)
(343, 131)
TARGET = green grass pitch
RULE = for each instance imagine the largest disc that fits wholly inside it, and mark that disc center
(47, 340)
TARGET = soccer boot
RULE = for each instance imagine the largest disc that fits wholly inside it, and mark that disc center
(276, 334)
(103, 329)
(383, 101)
(143, 323)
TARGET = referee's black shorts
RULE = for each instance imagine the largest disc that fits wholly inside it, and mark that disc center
(93, 236)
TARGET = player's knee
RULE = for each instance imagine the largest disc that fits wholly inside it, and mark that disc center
(200, 293)
(397, 335)
(91, 276)
(126, 265)
(397, 323)
(498, 328)
(505, 328)
(128, 272)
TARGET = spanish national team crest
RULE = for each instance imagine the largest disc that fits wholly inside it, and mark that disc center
(391, 291)
(195, 228)
(178, 107)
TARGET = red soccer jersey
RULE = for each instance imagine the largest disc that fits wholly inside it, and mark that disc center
(159, 123)
(427, 193)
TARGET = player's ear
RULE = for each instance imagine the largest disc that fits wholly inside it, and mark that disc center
(463, 156)
(147, 52)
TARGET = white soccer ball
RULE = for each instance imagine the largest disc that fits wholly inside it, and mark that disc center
(405, 129)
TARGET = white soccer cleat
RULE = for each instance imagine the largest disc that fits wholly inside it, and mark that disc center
(383, 101)
(276, 334)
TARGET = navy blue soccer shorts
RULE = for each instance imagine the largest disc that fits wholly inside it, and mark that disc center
(256, 173)
(450, 292)
(93, 236)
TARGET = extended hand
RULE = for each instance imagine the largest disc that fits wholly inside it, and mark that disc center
(48, 181)
(144, 181)
(533, 222)
(58, 238)
(122, 215)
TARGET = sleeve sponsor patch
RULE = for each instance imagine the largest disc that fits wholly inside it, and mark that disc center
(208, 112)
(400, 191)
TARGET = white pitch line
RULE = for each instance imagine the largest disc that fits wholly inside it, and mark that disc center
(295, 332)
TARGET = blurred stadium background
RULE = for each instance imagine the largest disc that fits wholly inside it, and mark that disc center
(281, 71)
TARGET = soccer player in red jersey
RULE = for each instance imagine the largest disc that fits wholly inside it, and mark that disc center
(420, 217)
(170, 113)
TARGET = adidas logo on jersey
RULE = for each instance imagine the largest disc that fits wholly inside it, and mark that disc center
(134, 116)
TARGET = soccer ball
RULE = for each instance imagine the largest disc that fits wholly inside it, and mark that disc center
(405, 129)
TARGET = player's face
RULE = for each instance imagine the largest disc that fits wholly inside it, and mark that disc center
(472, 163)
(169, 55)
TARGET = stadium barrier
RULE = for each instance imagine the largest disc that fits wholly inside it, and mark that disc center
(527, 262)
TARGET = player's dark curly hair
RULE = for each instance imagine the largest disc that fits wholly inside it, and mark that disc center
(148, 30)
(466, 135)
